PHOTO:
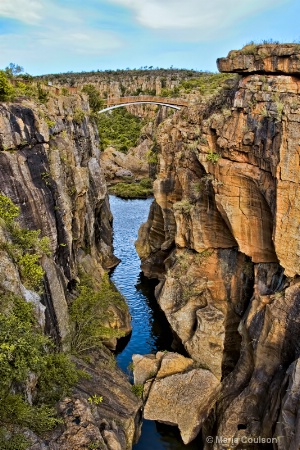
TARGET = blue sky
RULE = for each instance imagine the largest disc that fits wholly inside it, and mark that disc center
(50, 36)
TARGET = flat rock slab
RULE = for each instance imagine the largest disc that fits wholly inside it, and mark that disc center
(184, 400)
(172, 363)
(263, 58)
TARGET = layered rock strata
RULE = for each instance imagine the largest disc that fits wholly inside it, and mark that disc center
(222, 237)
(49, 167)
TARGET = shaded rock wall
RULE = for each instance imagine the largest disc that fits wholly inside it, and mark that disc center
(227, 249)
(49, 167)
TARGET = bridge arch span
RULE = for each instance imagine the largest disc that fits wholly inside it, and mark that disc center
(175, 103)
(138, 103)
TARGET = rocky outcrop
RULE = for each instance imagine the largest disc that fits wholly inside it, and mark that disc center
(227, 250)
(125, 82)
(263, 58)
(177, 393)
(50, 168)
(54, 176)
(119, 166)
(113, 423)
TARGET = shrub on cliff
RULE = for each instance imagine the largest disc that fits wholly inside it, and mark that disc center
(8, 210)
(90, 314)
(26, 354)
(95, 101)
(7, 91)
(26, 247)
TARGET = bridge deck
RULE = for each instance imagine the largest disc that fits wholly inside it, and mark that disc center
(146, 99)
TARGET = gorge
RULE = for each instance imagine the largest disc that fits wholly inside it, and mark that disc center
(221, 239)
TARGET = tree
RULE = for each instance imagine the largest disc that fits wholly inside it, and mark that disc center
(13, 69)
(96, 103)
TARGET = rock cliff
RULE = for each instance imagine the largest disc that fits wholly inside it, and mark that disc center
(49, 168)
(222, 237)
(125, 82)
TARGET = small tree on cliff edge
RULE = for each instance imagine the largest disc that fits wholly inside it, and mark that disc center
(13, 70)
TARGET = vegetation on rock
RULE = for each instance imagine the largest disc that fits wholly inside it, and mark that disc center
(90, 314)
(25, 247)
(120, 129)
(138, 390)
(26, 354)
(206, 84)
(143, 189)
(96, 103)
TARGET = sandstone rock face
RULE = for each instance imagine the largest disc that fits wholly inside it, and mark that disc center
(145, 367)
(183, 400)
(113, 424)
(263, 58)
(54, 176)
(179, 394)
(227, 198)
(176, 392)
(288, 426)
(126, 83)
(117, 165)
(50, 167)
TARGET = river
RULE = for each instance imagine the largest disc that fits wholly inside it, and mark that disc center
(150, 329)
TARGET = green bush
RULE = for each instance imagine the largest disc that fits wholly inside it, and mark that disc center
(183, 206)
(152, 157)
(95, 399)
(206, 84)
(132, 190)
(146, 183)
(90, 315)
(25, 89)
(15, 442)
(7, 91)
(26, 248)
(30, 241)
(25, 350)
(138, 390)
(31, 271)
(58, 376)
(78, 116)
(96, 103)
(8, 210)
(43, 96)
(213, 157)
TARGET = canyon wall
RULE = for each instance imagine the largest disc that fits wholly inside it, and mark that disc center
(50, 169)
(223, 238)
(124, 82)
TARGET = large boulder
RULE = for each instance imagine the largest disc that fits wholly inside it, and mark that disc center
(183, 399)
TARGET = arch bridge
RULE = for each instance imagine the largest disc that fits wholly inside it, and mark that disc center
(175, 103)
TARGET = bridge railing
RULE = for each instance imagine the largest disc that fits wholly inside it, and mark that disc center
(146, 98)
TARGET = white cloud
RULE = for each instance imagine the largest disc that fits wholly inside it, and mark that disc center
(28, 11)
(194, 19)
(78, 42)
(52, 32)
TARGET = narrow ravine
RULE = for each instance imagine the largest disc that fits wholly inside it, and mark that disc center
(150, 330)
